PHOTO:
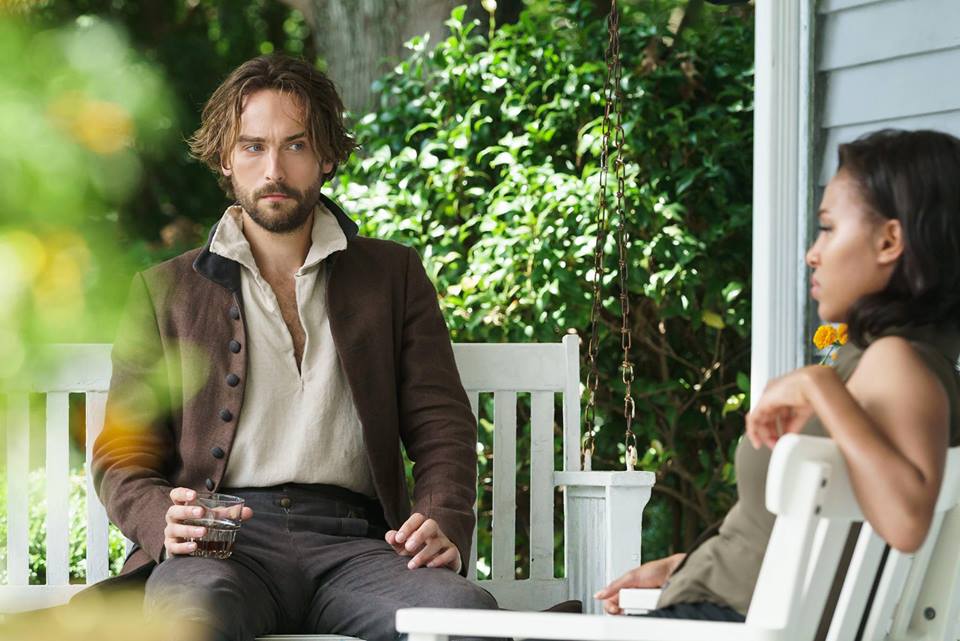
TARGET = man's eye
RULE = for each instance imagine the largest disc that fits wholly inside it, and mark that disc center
(824, 228)
(254, 148)
(297, 146)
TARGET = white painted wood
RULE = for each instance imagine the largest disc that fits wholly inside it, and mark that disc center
(97, 523)
(571, 403)
(941, 590)
(601, 543)
(586, 537)
(639, 600)
(948, 122)
(34, 597)
(474, 399)
(781, 52)
(541, 485)
(504, 485)
(18, 469)
(74, 367)
(539, 625)
(832, 6)
(527, 594)
(888, 30)
(853, 597)
(896, 88)
(489, 367)
(58, 488)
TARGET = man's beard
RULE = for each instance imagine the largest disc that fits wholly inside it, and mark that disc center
(275, 216)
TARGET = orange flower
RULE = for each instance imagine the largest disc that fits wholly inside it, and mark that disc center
(842, 333)
(825, 336)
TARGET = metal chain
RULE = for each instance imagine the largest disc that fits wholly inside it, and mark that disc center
(613, 102)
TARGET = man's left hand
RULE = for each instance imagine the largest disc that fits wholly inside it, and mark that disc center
(423, 539)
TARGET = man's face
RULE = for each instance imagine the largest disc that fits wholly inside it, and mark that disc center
(275, 173)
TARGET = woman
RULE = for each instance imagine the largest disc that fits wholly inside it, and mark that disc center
(886, 261)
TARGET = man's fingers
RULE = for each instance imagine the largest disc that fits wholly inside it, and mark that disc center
(180, 531)
(446, 559)
(182, 495)
(175, 547)
(177, 513)
(246, 514)
(412, 525)
(424, 534)
(427, 554)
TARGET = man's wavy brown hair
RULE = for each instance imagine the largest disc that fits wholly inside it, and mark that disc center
(323, 112)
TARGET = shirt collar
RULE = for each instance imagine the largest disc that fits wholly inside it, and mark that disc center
(229, 241)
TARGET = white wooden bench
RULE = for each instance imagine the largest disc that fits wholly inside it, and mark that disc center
(917, 596)
(597, 547)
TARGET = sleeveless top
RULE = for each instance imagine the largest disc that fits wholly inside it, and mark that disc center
(724, 569)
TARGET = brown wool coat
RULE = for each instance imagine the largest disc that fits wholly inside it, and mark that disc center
(175, 399)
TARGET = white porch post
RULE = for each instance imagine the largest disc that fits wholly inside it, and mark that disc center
(781, 186)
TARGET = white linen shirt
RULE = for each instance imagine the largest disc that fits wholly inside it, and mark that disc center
(295, 426)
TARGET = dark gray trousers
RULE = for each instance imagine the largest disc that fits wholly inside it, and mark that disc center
(310, 561)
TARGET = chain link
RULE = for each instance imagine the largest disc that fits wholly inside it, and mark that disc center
(612, 126)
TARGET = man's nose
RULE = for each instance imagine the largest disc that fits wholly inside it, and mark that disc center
(274, 170)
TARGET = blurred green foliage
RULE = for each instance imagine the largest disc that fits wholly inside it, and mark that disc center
(484, 156)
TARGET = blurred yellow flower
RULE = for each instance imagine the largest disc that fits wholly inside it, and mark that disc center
(830, 338)
(825, 336)
(100, 126)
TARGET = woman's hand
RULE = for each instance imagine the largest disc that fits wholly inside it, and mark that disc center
(784, 406)
(652, 574)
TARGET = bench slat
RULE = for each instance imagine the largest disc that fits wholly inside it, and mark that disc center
(541, 486)
(571, 404)
(18, 469)
(58, 488)
(504, 484)
(474, 398)
(97, 527)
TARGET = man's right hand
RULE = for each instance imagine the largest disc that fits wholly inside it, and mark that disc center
(176, 532)
(652, 574)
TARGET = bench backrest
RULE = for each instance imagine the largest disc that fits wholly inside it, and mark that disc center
(809, 491)
(506, 370)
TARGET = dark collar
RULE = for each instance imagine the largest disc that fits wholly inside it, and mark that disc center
(226, 272)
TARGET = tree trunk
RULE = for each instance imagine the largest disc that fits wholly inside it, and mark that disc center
(360, 40)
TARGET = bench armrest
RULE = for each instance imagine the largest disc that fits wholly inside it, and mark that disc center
(436, 624)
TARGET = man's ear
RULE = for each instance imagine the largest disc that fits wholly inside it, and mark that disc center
(889, 242)
(224, 168)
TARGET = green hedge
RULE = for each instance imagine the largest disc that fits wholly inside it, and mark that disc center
(484, 155)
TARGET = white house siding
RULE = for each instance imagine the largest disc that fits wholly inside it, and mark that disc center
(884, 63)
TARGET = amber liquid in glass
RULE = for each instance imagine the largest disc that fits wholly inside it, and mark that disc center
(217, 543)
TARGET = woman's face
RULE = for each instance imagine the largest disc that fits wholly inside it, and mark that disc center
(854, 253)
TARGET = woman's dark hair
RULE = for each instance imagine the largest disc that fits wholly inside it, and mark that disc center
(913, 177)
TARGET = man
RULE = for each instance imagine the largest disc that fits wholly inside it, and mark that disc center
(285, 362)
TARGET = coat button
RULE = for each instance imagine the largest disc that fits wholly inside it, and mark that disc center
(217, 452)
(234, 347)
(209, 484)
(233, 380)
(285, 502)
(226, 415)
(235, 313)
